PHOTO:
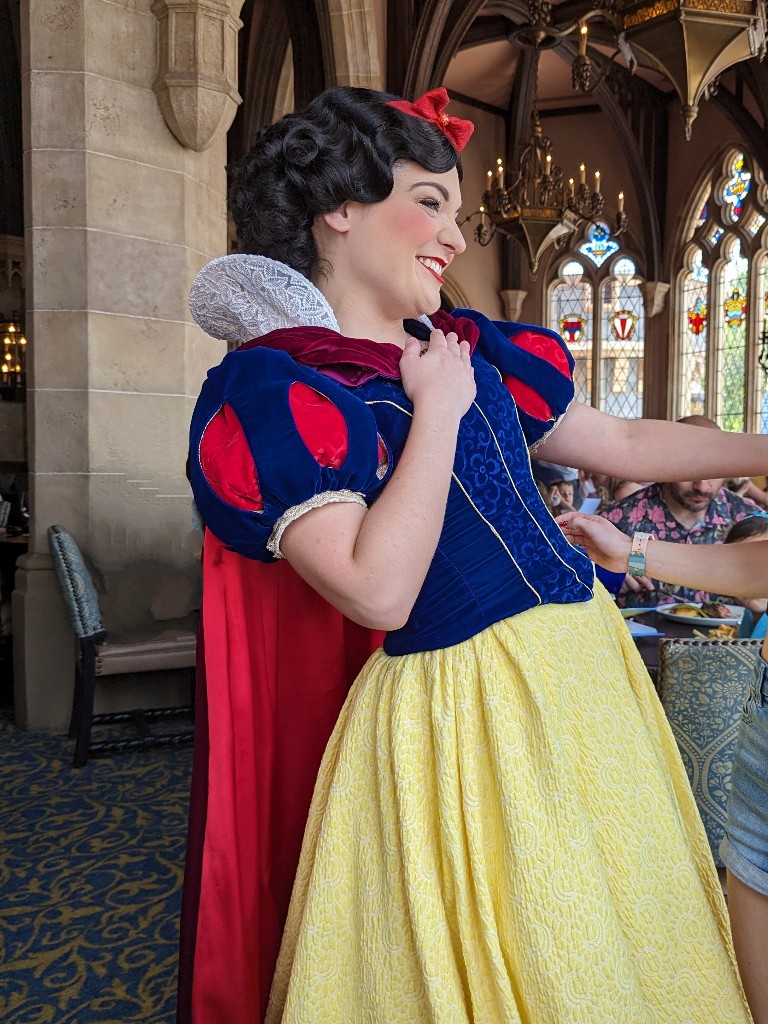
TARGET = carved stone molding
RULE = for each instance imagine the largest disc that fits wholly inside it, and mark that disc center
(196, 84)
(655, 295)
(512, 300)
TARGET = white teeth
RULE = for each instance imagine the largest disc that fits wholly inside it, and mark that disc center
(432, 264)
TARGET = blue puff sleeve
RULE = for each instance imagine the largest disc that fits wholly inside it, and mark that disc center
(271, 439)
(536, 367)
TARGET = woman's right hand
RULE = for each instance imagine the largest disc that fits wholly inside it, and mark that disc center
(601, 540)
(442, 374)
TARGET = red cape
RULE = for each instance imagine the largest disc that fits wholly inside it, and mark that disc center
(274, 667)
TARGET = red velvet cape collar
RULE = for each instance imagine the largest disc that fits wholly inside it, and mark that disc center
(354, 361)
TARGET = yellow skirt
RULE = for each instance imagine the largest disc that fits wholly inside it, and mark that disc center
(503, 831)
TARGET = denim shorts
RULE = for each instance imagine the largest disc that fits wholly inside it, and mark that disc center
(744, 849)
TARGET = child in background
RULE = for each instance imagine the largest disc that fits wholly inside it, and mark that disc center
(754, 622)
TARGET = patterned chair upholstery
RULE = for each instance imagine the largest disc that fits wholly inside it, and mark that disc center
(98, 657)
(702, 685)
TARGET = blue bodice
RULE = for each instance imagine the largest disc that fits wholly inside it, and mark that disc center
(500, 551)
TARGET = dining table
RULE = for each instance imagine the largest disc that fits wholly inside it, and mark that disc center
(649, 645)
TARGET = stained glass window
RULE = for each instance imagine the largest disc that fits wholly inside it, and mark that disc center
(761, 375)
(694, 316)
(736, 188)
(623, 341)
(718, 331)
(731, 342)
(571, 316)
(599, 245)
(607, 337)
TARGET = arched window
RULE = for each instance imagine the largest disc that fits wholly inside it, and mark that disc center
(721, 296)
(596, 304)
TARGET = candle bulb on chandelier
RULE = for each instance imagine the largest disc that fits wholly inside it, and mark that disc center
(583, 41)
(482, 216)
(548, 165)
(597, 182)
(621, 202)
(500, 174)
(570, 188)
(489, 180)
(582, 174)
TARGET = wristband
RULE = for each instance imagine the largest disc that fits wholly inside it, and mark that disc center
(636, 565)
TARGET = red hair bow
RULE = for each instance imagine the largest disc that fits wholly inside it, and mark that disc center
(430, 107)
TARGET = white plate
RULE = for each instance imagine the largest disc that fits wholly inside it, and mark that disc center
(668, 611)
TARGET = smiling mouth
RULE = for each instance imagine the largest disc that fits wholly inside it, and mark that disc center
(434, 266)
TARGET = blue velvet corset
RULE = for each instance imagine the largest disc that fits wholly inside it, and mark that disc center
(500, 552)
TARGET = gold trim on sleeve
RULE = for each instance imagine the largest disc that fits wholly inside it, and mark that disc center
(297, 511)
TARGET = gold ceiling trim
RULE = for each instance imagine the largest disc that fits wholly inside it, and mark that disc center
(658, 10)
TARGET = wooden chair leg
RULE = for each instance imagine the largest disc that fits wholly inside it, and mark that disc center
(84, 723)
(77, 702)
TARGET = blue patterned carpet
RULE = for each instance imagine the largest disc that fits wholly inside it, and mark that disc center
(90, 876)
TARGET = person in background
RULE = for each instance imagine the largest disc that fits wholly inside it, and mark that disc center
(754, 622)
(556, 485)
(607, 488)
(687, 512)
(745, 487)
(743, 568)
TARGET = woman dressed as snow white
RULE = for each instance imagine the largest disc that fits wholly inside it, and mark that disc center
(501, 828)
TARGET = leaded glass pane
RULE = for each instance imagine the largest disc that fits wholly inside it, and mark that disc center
(622, 322)
(599, 245)
(693, 333)
(736, 188)
(731, 342)
(761, 373)
(571, 316)
(756, 222)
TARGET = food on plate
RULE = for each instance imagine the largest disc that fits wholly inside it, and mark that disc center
(722, 632)
(688, 609)
(708, 610)
(715, 610)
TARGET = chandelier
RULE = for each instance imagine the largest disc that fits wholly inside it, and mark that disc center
(689, 42)
(13, 361)
(536, 208)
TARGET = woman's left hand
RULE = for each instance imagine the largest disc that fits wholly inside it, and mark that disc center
(601, 540)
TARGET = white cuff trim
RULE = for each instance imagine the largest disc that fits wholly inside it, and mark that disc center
(536, 444)
(297, 511)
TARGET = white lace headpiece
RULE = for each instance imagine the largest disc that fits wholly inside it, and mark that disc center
(240, 297)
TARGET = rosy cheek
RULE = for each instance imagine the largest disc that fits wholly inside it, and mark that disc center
(414, 223)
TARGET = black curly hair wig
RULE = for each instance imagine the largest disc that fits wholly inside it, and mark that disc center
(342, 147)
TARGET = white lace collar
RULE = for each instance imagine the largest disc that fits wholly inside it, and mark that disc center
(240, 297)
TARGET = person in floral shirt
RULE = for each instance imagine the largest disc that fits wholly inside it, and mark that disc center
(690, 512)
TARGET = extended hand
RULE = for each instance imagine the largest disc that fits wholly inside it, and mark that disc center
(601, 540)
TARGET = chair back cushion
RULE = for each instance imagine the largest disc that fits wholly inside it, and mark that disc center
(702, 685)
(76, 584)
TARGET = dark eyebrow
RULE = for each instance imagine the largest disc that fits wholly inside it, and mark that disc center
(440, 188)
(433, 184)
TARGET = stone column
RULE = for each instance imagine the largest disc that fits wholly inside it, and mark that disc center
(118, 217)
(658, 350)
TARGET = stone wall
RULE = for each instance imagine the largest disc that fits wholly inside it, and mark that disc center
(119, 216)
